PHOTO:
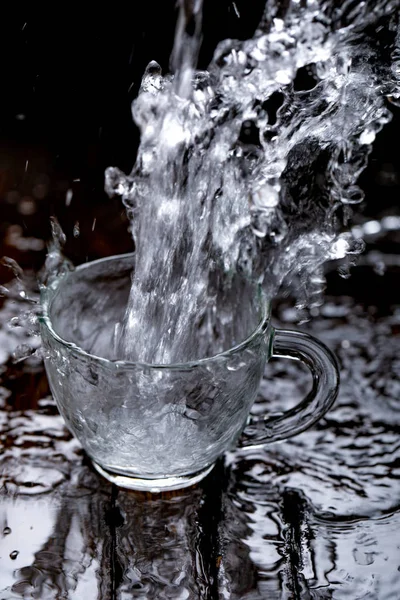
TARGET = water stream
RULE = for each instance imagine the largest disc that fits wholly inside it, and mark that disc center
(251, 167)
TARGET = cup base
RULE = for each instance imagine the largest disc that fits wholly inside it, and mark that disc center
(154, 486)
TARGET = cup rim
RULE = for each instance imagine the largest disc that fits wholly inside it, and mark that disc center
(45, 320)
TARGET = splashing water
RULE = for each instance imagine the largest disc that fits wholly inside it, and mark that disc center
(251, 166)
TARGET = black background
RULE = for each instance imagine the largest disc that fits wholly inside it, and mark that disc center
(68, 80)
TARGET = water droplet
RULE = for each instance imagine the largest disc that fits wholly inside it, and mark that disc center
(59, 237)
(68, 197)
(344, 271)
(379, 267)
(14, 554)
(367, 136)
(10, 263)
(152, 81)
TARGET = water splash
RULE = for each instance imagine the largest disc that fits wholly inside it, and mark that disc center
(18, 289)
(20, 339)
(251, 167)
(56, 263)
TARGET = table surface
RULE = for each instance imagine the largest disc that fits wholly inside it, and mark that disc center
(316, 516)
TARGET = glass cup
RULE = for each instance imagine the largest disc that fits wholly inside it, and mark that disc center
(158, 427)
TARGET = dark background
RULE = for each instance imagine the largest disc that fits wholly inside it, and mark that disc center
(68, 80)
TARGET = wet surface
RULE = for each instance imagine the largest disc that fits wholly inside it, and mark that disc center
(317, 516)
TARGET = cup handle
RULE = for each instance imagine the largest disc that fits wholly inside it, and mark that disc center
(323, 365)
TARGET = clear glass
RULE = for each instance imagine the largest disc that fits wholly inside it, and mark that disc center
(162, 427)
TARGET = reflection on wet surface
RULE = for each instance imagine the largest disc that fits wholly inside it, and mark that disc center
(317, 516)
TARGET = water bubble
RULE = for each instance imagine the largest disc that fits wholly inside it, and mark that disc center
(352, 195)
(6, 530)
(14, 554)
